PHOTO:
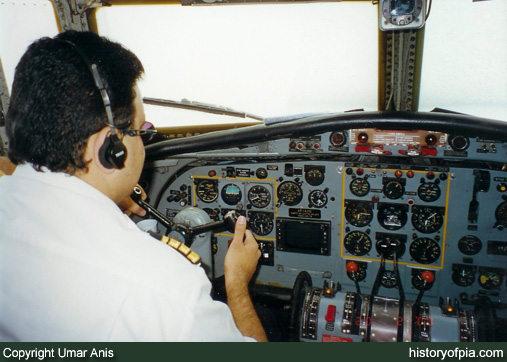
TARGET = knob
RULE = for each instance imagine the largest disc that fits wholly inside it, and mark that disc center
(428, 276)
(352, 267)
(230, 220)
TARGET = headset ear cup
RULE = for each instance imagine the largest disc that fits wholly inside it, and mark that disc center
(113, 153)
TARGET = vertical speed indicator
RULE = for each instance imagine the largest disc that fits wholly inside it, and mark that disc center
(259, 196)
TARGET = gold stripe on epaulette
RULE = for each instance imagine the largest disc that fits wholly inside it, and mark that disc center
(173, 243)
(184, 250)
(193, 257)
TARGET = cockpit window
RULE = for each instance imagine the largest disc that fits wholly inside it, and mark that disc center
(285, 59)
(268, 60)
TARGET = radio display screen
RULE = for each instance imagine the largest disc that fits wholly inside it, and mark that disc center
(310, 237)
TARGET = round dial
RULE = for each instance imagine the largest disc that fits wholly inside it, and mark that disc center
(290, 193)
(360, 275)
(207, 190)
(231, 194)
(392, 217)
(424, 250)
(501, 214)
(360, 186)
(469, 245)
(359, 213)
(260, 223)
(317, 198)
(427, 219)
(418, 283)
(314, 177)
(393, 189)
(389, 245)
(463, 277)
(259, 196)
(388, 279)
(490, 280)
(357, 243)
(428, 191)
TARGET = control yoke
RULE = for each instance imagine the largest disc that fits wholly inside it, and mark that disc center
(188, 232)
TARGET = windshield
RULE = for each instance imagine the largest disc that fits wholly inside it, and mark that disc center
(283, 59)
(273, 60)
(269, 60)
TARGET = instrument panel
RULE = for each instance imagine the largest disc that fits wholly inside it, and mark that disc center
(419, 217)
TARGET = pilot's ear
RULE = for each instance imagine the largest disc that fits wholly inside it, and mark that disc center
(96, 144)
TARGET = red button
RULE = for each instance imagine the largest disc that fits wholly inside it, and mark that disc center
(331, 313)
(360, 148)
(428, 276)
(351, 266)
(426, 151)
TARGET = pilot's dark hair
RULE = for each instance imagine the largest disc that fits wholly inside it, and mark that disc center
(55, 105)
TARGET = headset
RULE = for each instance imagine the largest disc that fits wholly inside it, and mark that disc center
(112, 153)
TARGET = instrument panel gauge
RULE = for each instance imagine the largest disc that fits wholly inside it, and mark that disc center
(317, 198)
(357, 243)
(207, 190)
(424, 250)
(231, 194)
(418, 282)
(392, 216)
(359, 213)
(490, 279)
(259, 196)
(463, 276)
(261, 223)
(359, 186)
(427, 219)
(469, 245)
(390, 245)
(393, 189)
(428, 191)
(314, 176)
(388, 279)
(501, 214)
(290, 193)
(359, 275)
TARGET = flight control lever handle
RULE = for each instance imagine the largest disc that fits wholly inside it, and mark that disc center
(161, 218)
(188, 232)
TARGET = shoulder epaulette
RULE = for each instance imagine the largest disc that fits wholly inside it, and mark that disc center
(193, 257)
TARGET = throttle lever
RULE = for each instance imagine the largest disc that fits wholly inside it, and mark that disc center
(228, 223)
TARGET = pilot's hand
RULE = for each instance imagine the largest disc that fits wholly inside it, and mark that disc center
(242, 256)
(240, 264)
(130, 207)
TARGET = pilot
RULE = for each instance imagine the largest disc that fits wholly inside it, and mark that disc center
(73, 267)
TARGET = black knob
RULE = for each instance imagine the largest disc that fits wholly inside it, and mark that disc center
(230, 220)
(261, 173)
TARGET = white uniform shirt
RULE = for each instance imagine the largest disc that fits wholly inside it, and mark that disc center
(73, 267)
